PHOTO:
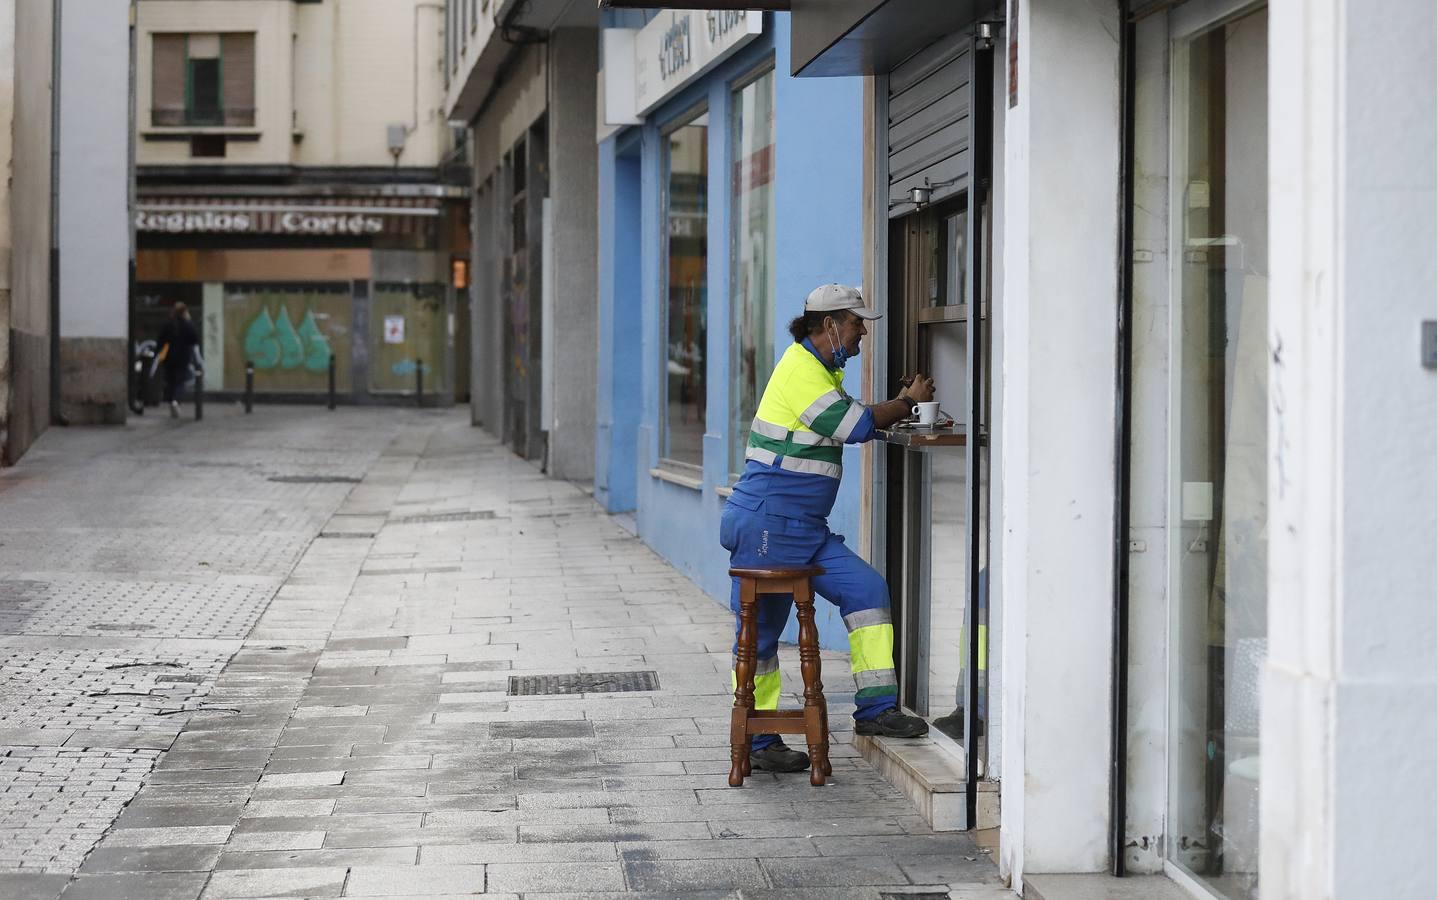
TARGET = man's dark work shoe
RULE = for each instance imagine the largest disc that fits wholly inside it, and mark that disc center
(892, 723)
(778, 758)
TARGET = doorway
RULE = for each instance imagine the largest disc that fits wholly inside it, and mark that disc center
(940, 291)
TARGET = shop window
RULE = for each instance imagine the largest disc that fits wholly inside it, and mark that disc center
(931, 334)
(408, 334)
(202, 80)
(751, 258)
(1201, 228)
(686, 293)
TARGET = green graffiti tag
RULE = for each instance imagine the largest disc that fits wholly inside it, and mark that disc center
(271, 342)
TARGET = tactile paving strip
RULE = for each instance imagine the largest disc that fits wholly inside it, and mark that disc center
(102, 688)
(582, 683)
(225, 607)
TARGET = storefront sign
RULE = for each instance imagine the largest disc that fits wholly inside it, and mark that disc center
(680, 45)
(206, 216)
(214, 221)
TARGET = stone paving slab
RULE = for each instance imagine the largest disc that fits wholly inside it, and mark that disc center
(133, 562)
(358, 739)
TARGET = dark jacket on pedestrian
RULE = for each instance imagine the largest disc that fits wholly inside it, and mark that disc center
(180, 336)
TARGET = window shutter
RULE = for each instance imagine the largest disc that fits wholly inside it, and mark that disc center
(167, 89)
(237, 52)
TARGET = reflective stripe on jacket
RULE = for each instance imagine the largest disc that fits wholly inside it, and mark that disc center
(805, 417)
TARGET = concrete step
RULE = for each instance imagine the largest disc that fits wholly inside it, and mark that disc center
(933, 776)
(1101, 887)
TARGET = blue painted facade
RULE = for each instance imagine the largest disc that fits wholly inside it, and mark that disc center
(818, 184)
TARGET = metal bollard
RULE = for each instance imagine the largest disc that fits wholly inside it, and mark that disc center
(419, 380)
(199, 396)
(331, 380)
(248, 387)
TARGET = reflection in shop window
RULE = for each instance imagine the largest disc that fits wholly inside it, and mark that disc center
(751, 274)
(686, 302)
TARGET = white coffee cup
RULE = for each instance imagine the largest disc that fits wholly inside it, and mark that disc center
(926, 413)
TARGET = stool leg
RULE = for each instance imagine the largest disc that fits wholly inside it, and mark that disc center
(745, 661)
(815, 708)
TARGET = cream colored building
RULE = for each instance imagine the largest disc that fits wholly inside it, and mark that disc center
(316, 84)
(300, 186)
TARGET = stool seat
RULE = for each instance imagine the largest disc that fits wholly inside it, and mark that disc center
(778, 572)
(812, 720)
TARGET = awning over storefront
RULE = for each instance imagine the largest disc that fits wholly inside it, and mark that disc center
(299, 216)
(849, 37)
(867, 37)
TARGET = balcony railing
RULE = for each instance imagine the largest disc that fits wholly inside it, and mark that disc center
(196, 117)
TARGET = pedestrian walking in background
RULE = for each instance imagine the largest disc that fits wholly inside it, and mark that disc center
(179, 354)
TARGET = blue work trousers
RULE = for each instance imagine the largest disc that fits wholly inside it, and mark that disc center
(755, 538)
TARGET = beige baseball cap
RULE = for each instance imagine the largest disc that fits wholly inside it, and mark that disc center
(835, 297)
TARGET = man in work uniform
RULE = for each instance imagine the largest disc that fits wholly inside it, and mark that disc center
(778, 513)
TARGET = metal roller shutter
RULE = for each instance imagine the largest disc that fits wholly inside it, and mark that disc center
(929, 102)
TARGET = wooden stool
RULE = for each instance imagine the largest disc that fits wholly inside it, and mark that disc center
(812, 720)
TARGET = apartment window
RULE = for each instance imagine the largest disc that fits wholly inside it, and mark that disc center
(751, 258)
(686, 168)
(203, 80)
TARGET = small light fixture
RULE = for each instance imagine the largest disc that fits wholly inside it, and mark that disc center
(920, 196)
(985, 35)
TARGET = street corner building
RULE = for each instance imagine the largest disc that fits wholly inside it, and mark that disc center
(299, 189)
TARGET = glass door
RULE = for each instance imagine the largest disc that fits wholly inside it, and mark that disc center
(1217, 519)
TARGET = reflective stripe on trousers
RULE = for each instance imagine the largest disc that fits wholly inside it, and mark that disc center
(754, 538)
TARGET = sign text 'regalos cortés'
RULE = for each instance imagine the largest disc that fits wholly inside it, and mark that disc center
(218, 221)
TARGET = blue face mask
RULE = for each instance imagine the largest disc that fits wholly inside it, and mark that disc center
(841, 356)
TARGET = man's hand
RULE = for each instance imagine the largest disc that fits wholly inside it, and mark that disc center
(917, 388)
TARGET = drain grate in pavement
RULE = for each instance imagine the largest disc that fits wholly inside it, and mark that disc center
(347, 534)
(421, 519)
(120, 626)
(315, 479)
(922, 895)
(582, 683)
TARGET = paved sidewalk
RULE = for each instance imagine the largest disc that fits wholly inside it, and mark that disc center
(308, 622)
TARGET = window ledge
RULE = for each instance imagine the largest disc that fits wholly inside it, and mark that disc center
(723, 491)
(678, 478)
(161, 132)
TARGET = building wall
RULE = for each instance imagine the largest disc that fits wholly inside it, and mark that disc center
(329, 80)
(94, 211)
(620, 368)
(388, 69)
(1063, 143)
(26, 249)
(1349, 687)
(574, 194)
(272, 22)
